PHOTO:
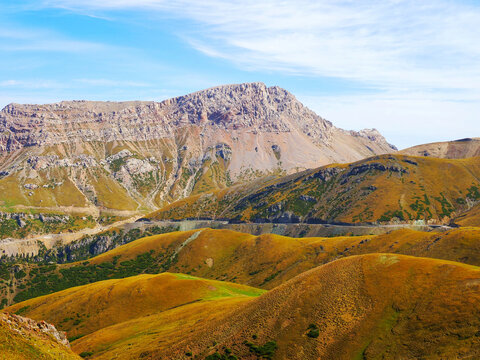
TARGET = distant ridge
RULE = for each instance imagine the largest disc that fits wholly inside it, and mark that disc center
(457, 149)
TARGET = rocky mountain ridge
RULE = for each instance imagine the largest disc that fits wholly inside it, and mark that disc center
(128, 157)
(232, 107)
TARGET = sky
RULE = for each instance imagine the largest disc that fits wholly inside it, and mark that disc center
(410, 69)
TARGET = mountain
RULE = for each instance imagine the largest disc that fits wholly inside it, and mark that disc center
(24, 339)
(88, 158)
(458, 149)
(368, 306)
(385, 189)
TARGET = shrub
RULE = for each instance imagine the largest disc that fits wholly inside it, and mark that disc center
(313, 331)
(267, 350)
(20, 274)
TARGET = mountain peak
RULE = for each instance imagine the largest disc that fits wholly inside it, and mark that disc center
(156, 152)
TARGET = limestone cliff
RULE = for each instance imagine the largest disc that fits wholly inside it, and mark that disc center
(125, 157)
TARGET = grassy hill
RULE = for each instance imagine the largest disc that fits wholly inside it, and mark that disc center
(361, 307)
(85, 309)
(354, 297)
(458, 149)
(379, 189)
(264, 261)
(364, 307)
(22, 339)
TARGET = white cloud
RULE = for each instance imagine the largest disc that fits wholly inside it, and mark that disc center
(391, 43)
(23, 39)
(31, 84)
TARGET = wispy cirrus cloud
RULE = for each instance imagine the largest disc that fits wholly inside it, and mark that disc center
(24, 39)
(50, 84)
(385, 44)
(31, 84)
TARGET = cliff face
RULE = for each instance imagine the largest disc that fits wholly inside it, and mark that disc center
(131, 155)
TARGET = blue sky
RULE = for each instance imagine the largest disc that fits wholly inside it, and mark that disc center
(411, 69)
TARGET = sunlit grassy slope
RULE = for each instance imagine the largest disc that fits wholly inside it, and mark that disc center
(362, 307)
(84, 309)
(19, 342)
(262, 261)
(339, 298)
(378, 189)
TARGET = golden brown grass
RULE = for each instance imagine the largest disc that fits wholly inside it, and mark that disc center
(139, 338)
(366, 307)
(111, 195)
(264, 261)
(470, 218)
(269, 260)
(84, 309)
(157, 243)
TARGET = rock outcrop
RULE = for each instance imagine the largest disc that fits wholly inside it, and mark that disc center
(24, 338)
(22, 324)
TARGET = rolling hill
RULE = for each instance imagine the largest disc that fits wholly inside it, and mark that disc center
(85, 309)
(386, 188)
(264, 261)
(360, 307)
(365, 307)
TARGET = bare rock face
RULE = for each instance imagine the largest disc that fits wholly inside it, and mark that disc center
(130, 155)
(25, 326)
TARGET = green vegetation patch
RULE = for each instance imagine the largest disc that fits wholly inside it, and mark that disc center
(473, 193)
(313, 331)
(86, 354)
(265, 351)
(47, 279)
(218, 356)
(389, 215)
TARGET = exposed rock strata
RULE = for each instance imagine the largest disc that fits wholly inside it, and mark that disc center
(133, 155)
